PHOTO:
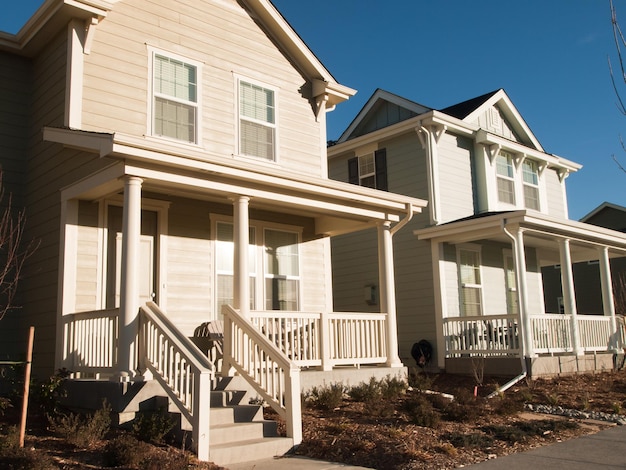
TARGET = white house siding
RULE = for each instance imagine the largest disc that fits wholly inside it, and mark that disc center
(555, 194)
(456, 197)
(451, 279)
(498, 126)
(493, 279)
(221, 36)
(87, 257)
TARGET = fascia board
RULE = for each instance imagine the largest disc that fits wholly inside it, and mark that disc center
(100, 143)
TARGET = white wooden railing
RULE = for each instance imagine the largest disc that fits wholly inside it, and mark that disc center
(268, 370)
(326, 339)
(90, 342)
(183, 371)
(552, 333)
(489, 335)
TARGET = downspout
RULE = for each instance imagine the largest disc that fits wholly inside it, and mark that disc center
(524, 373)
(404, 221)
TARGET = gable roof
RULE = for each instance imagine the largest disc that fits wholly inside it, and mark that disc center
(607, 215)
(379, 99)
(53, 15)
(463, 109)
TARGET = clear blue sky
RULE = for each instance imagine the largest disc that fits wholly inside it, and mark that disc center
(549, 55)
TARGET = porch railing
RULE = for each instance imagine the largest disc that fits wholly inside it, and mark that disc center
(552, 333)
(489, 335)
(183, 371)
(326, 339)
(90, 341)
(266, 368)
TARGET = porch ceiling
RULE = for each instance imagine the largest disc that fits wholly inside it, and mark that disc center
(540, 231)
(335, 206)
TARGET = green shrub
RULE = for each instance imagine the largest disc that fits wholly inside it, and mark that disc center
(125, 450)
(392, 387)
(420, 411)
(472, 440)
(152, 426)
(419, 380)
(366, 391)
(506, 433)
(327, 397)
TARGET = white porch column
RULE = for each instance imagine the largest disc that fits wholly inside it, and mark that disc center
(608, 302)
(129, 283)
(387, 291)
(522, 287)
(569, 295)
(241, 238)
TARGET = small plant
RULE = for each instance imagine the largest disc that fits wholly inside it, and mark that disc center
(507, 406)
(14, 457)
(392, 387)
(153, 426)
(5, 404)
(472, 440)
(125, 450)
(419, 380)
(617, 407)
(49, 393)
(366, 391)
(421, 412)
(328, 397)
(553, 398)
(83, 431)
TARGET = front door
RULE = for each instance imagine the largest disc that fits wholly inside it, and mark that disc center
(147, 254)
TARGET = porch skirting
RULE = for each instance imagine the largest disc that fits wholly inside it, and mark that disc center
(348, 376)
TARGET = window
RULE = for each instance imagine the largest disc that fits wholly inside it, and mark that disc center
(224, 262)
(505, 178)
(175, 99)
(531, 184)
(279, 287)
(512, 305)
(257, 121)
(470, 282)
(369, 170)
(282, 272)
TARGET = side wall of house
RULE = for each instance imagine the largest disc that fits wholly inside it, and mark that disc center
(456, 193)
(555, 194)
(14, 137)
(228, 43)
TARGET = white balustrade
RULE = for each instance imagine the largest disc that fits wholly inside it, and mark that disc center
(488, 335)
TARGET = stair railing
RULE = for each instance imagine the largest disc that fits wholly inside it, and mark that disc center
(268, 370)
(183, 371)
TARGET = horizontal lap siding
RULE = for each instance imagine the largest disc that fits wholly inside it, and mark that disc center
(456, 194)
(223, 37)
(554, 194)
(88, 258)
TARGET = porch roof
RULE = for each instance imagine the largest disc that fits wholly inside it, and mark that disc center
(337, 207)
(541, 231)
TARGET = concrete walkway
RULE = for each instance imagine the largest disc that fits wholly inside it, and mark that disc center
(604, 450)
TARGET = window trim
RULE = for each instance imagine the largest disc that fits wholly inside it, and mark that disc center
(509, 159)
(380, 169)
(478, 250)
(274, 126)
(150, 125)
(536, 187)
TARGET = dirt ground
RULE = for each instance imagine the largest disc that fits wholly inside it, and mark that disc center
(412, 430)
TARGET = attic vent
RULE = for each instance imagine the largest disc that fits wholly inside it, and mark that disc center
(494, 121)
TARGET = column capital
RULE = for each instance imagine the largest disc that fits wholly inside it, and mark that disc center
(239, 198)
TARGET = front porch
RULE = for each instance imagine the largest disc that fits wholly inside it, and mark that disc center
(496, 341)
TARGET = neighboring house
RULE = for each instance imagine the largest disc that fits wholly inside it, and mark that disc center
(171, 158)
(469, 276)
(586, 275)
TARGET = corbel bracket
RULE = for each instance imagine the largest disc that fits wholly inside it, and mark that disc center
(90, 32)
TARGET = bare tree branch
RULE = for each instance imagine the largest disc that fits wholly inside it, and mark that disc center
(620, 41)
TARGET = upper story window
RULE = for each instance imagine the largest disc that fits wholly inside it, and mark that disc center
(505, 177)
(174, 98)
(531, 184)
(369, 170)
(257, 121)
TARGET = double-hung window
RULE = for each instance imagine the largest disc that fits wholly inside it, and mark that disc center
(174, 98)
(470, 282)
(505, 176)
(257, 121)
(369, 170)
(531, 184)
(282, 272)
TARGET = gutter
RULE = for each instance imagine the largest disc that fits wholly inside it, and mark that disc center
(404, 221)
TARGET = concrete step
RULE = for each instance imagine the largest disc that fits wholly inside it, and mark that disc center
(228, 397)
(246, 451)
(237, 432)
(235, 414)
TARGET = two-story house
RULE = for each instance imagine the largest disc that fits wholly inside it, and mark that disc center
(469, 275)
(171, 159)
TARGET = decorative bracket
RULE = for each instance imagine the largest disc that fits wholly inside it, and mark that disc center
(563, 173)
(493, 150)
(518, 159)
(90, 31)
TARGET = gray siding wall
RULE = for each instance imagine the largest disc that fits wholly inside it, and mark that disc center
(227, 41)
(456, 195)
(557, 206)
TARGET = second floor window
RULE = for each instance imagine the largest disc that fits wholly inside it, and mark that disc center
(531, 184)
(257, 121)
(175, 99)
(369, 170)
(505, 177)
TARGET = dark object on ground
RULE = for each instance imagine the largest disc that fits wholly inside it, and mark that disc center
(422, 352)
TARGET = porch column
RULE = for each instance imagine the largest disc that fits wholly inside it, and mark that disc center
(608, 302)
(569, 295)
(387, 283)
(241, 238)
(522, 287)
(129, 285)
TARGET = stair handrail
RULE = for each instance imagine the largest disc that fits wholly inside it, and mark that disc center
(183, 371)
(265, 367)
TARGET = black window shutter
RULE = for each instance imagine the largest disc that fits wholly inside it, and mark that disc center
(353, 170)
(380, 158)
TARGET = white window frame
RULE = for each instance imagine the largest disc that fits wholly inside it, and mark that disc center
(511, 290)
(478, 286)
(257, 262)
(368, 174)
(526, 184)
(274, 126)
(152, 95)
(510, 158)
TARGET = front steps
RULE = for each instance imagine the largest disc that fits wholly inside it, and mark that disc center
(238, 432)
